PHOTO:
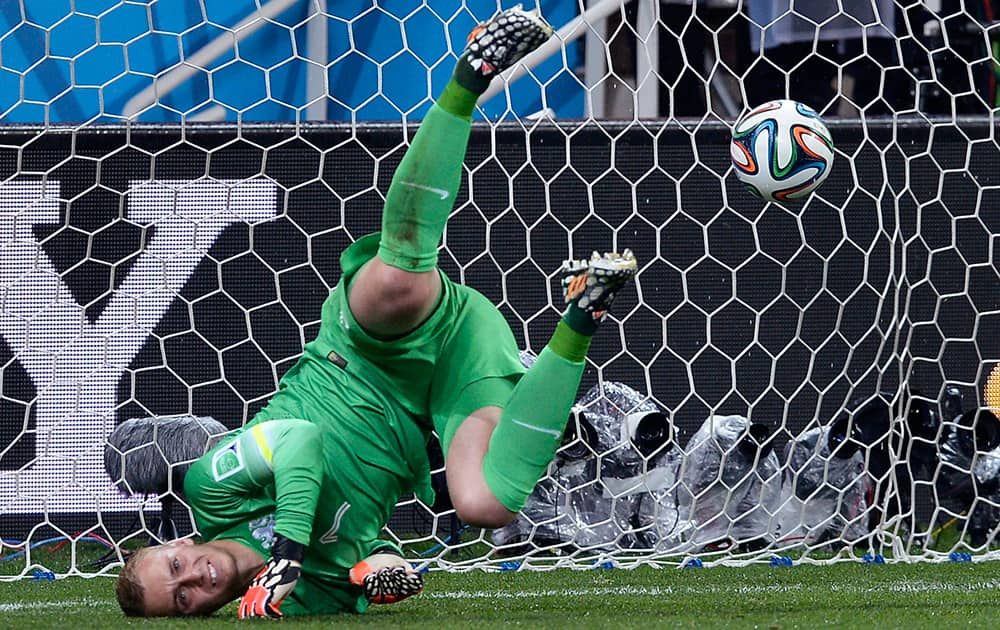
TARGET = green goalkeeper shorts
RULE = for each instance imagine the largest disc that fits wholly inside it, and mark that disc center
(465, 349)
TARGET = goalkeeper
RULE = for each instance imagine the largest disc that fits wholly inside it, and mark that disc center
(293, 504)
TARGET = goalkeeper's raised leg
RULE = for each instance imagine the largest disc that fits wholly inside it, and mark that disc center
(499, 453)
(397, 290)
(500, 431)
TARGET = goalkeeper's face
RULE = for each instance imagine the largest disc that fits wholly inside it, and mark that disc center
(181, 578)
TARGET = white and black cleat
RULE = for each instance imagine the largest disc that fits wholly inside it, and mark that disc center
(504, 39)
(592, 284)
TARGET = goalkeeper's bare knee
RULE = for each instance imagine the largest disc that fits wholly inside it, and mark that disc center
(389, 301)
(481, 510)
(474, 501)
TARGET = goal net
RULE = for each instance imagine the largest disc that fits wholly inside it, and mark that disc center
(785, 384)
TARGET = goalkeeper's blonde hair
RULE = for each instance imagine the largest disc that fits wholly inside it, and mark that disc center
(128, 589)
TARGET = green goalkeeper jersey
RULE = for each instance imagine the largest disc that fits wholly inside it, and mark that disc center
(345, 436)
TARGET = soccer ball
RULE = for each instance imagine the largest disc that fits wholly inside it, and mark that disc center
(782, 150)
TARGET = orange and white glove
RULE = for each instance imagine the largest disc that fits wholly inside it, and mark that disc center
(386, 578)
(275, 581)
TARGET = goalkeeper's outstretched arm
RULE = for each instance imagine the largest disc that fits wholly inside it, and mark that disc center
(279, 458)
(286, 455)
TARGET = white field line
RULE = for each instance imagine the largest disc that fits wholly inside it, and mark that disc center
(656, 591)
(67, 604)
(921, 586)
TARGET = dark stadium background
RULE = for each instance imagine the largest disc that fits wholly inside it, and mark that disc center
(782, 314)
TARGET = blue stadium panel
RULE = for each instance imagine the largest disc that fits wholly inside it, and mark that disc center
(106, 52)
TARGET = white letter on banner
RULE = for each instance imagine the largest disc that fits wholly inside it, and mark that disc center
(74, 365)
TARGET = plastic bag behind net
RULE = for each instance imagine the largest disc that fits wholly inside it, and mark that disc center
(621, 499)
(967, 483)
(730, 485)
(823, 496)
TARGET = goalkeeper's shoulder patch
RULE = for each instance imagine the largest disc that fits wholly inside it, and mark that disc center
(227, 461)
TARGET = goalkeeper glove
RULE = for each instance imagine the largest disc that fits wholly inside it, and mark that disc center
(275, 581)
(385, 578)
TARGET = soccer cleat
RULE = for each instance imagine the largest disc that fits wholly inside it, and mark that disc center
(503, 40)
(591, 285)
(386, 585)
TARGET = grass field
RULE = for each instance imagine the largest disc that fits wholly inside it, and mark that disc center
(846, 595)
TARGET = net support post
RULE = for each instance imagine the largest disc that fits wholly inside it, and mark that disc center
(595, 65)
(647, 62)
(317, 50)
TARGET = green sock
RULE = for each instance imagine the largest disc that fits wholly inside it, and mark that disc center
(423, 188)
(531, 427)
(464, 89)
(422, 192)
(458, 100)
(580, 320)
(568, 343)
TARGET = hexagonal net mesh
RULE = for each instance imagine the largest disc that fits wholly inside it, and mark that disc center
(179, 179)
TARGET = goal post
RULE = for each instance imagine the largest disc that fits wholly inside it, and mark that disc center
(785, 381)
